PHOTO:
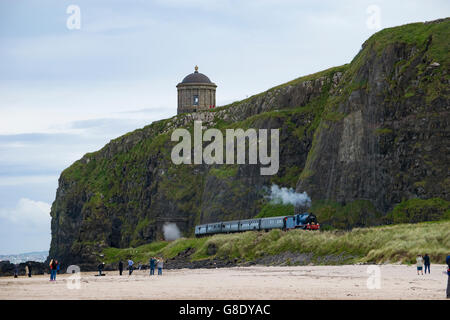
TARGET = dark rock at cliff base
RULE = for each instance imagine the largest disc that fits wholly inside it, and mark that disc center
(7, 268)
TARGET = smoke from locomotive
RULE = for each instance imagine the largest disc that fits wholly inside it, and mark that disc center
(289, 196)
(171, 232)
(300, 201)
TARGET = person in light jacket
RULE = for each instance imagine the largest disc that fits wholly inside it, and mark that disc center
(160, 264)
(419, 261)
(130, 267)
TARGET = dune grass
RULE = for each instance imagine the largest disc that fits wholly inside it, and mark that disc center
(384, 244)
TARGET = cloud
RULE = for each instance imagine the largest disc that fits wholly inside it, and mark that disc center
(27, 180)
(108, 127)
(25, 227)
(147, 110)
(19, 140)
(28, 213)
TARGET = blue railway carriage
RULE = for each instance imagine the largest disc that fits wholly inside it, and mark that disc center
(230, 226)
(200, 230)
(250, 224)
(273, 223)
(304, 221)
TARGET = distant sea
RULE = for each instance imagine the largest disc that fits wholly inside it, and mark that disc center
(38, 256)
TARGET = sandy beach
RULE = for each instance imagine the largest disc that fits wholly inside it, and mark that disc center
(258, 282)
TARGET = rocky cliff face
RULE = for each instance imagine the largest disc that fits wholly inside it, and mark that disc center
(375, 130)
(389, 140)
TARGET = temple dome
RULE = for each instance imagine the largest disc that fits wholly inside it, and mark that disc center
(196, 77)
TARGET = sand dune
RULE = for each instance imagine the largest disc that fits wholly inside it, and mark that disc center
(258, 282)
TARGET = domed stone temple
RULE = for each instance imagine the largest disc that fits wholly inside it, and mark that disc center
(196, 93)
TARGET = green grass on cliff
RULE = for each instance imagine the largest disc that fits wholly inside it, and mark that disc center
(418, 210)
(385, 244)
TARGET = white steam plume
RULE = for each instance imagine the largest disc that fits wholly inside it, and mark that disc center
(171, 231)
(289, 196)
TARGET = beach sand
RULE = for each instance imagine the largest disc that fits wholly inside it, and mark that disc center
(257, 282)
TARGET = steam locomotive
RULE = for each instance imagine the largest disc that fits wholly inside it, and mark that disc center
(307, 221)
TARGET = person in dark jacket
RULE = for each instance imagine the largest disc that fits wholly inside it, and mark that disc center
(448, 276)
(16, 270)
(100, 268)
(57, 267)
(152, 264)
(54, 267)
(120, 267)
(29, 270)
(426, 262)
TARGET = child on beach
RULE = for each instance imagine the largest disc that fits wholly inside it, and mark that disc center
(419, 261)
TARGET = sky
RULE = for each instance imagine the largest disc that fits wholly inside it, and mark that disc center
(76, 74)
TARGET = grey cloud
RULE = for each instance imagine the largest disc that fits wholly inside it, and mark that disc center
(39, 138)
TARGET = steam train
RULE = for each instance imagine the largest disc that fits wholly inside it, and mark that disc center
(307, 221)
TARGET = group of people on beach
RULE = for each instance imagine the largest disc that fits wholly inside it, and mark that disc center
(423, 261)
(154, 262)
(28, 270)
(158, 262)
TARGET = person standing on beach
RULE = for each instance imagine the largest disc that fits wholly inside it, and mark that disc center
(52, 266)
(419, 261)
(16, 270)
(160, 266)
(120, 267)
(57, 268)
(100, 268)
(426, 262)
(152, 263)
(130, 267)
(29, 269)
(448, 276)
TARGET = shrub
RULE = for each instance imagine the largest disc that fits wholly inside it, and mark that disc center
(418, 210)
